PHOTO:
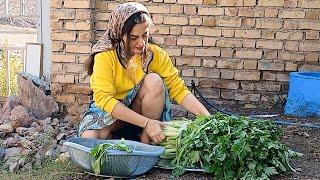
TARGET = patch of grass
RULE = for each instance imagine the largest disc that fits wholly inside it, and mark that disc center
(48, 170)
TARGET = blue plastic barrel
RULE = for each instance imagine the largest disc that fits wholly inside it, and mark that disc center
(304, 94)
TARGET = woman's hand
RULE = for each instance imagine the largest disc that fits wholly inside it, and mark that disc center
(154, 130)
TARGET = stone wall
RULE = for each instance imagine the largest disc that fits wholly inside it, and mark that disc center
(235, 50)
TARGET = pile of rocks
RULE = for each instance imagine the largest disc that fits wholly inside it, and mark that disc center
(28, 133)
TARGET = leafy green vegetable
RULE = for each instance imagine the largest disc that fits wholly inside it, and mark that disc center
(229, 147)
(99, 153)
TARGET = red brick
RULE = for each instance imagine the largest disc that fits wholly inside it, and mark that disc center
(209, 63)
(207, 52)
(291, 14)
(226, 74)
(270, 2)
(65, 98)
(208, 31)
(62, 14)
(271, 12)
(251, 12)
(69, 78)
(210, 11)
(174, 20)
(250, 64)
(228, 33)
(188, 41)
(176, 9)
(290, 25)
(101, 16)
(290, 3)
(208, 41)
(189, 1)
(227, 94)
(291, 45)
(73, 68)
(247, 86)
(78, 89)
(249, 3)
(291, 66)
(195, 21)
(85, 36)
(247, 75)
(308, 67)
(267, 86)
(84, 15)
(188, 61)
(290, 56)
(188, 51)
(55, 3)
(282, 77)
(187, 72)
(78, 25)
(314, 25)
(222, 64)
(55, 88)
(229, 43)
(163, 9)
(230, 2)
(268, 24)
(244, 96)
(174, 51)
(251, 54)
(63, 36)
(270, 54)
(205, 83)
(175, 30)
(267, 34)
(312, 14)
(228, 22)
(231, 11)
(63, 58)
(289, 35)
(208, 21)
(157, 19)
(225, 84)
(313, 57)
(190, 10)
(269, 76)
(271, 66)
(170, 40)
(56, 68)
(249, 43)
(309, 4)
(56, 46)
(77, 48)
(77, 4)
(248, 22)
(309, 46)
(227, 52)
(207, 72)
(312, 35)
(248, 33)
(268, 44)
(209, 2)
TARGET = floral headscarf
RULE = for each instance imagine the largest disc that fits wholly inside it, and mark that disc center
(113, 33)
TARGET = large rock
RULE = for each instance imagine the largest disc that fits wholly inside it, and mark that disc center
(20, 117)
(34, 98)
(6, 128)
(5, 112)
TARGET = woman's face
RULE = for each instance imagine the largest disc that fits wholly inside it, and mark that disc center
(138, 38)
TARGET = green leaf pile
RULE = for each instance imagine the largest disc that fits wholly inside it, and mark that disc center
(229, 147)
(99, 153)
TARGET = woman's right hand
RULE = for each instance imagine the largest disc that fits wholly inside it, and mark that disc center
(154, 130)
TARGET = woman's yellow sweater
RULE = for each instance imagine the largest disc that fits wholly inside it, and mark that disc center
(110, 84)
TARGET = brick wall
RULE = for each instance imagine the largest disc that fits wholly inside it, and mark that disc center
(235, 50)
